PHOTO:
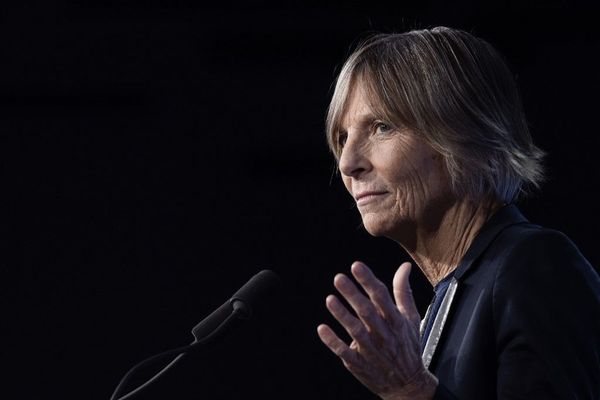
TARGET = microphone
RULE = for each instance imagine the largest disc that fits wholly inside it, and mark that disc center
(239, 307)
(241, 303)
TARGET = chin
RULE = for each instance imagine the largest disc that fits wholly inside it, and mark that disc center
(374, 232)
(386, 227)
(377, 227)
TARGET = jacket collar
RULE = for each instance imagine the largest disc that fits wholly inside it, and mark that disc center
(504, 217)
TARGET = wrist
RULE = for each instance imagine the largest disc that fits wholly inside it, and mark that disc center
(421, 387)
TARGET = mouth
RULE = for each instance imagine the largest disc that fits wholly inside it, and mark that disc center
(367, 197)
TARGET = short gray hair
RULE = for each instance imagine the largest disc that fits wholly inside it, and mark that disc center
(456, 92)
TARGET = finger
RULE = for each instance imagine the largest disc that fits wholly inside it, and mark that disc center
(355, 328)
(363, 307)
(403, 294)
(350, 358)
(337, 345)
(377, 291)
(368, 349)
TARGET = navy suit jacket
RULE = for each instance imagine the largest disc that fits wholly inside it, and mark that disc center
(524, 322)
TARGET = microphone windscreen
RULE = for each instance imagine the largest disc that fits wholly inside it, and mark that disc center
(259, 287)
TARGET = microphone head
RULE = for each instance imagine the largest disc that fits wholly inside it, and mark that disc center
(260, 286)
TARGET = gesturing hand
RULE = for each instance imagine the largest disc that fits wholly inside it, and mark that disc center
(385, 351)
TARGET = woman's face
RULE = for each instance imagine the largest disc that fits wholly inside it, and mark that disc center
(397, 180)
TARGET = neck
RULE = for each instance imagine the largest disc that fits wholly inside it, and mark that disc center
(441, 242)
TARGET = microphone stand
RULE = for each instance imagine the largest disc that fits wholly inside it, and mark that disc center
(239, 306)
(179, 351)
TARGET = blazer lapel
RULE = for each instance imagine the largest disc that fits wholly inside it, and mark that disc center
(506, 216)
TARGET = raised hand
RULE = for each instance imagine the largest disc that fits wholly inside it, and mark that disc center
(385, 350)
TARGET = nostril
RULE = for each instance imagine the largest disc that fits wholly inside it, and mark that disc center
(352, 163)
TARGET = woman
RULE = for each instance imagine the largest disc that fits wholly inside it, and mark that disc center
(430, 138)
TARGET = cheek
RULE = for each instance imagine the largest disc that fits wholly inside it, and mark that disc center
(406, 174)
(433, 180)
(418, 180)
(410, 193)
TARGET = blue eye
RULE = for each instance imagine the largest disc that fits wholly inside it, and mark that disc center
(381, 127)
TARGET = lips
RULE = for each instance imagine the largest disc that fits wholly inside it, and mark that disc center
(367, 196)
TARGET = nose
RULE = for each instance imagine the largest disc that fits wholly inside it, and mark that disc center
(354, 160)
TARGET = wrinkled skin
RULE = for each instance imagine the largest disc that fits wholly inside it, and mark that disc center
(409, 176)
(385, 350)
(396, 179)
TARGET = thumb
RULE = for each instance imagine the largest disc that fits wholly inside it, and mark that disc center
(403, 294)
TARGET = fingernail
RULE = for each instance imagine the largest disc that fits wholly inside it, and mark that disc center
(340, 279)
(331, 302)
(359, 268)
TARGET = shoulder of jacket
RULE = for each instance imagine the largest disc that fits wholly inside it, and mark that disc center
(530, 238)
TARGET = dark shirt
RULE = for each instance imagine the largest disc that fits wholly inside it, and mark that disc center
(439, 291)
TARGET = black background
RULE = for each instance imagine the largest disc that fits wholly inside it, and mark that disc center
(159, 154)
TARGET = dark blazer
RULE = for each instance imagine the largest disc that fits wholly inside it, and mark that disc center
(524, 322)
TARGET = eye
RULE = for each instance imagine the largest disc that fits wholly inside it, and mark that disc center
(342, 137)
(382, 127)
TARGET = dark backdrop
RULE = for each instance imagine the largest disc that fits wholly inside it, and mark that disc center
(159, 154)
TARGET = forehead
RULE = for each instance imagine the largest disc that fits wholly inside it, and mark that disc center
(358, 109)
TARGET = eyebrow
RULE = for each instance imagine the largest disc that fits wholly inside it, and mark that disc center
(364, 120)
